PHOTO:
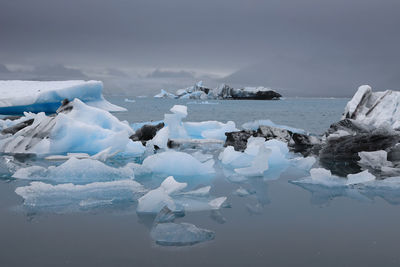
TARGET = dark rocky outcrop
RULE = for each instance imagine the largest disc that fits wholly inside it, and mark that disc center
(146, 133)
(303, 143)
(17, 127)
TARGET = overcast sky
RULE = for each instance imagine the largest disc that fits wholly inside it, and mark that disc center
(271, 43)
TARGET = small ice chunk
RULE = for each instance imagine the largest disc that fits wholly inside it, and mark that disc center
(259, 164)
(180, 110)
(243, 192)
(217, 203)
(202, 157)
(200, 192)
(375, 159)
(177, 163)
(304, 163)
(157, 199)
(179, 234)
(360, 177)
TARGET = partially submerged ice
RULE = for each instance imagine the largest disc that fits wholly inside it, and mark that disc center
(180, 234)
(78, 171)
(169, 194)
(17, 97)
(70, 196)
(77, 127)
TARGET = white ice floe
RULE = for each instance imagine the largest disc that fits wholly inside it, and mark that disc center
(156, 199)
(36, 96)
(76, 171)
(42, 195)
(375, 159)
(179, 234)
(165, 94)
(209, 129)
(176, 163)
(84, 129)
(304, 163)
(258, 157)
(170, 195)
(320, 176)
(378, 109)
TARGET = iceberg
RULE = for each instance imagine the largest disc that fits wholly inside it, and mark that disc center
(374, 108)
(17, 97)
(75, 170)
(77, 128)
(199, 91)
(70, 196)
(179, 234)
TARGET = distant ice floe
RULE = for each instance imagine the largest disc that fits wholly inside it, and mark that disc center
(17, 97)
(254, 125)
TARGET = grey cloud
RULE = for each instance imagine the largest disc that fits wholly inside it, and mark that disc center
(313, 47)
(170, 74)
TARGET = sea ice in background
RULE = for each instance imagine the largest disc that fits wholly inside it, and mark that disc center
(69, 196)
(83, 129)
(129, 100)
(179, 234)
(176, 163)
(165, 94)
(17, 97)
(81, 171)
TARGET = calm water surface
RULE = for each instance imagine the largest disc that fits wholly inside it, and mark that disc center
(280, 225)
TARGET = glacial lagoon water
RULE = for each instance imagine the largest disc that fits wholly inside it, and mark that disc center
(277, 224)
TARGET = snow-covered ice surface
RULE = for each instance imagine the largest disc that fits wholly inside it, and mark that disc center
(140, 198)
(17, 97)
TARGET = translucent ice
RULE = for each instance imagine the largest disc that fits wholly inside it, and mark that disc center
(76, 171)
(83, 129)
(177, 163)
(180, 234)
(42, 195)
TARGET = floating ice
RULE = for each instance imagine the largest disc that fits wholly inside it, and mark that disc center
(378, 109)
(76, 171)
(160, 197)
(179, 234)
(42, 195)
(254, 125)
(165, 94)
(258, 157)
(209, 129)
(375, 159)
(83, 129)
(304, 163)
(17, 97)
(177, 163)
(320, 176)
(170, 195)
